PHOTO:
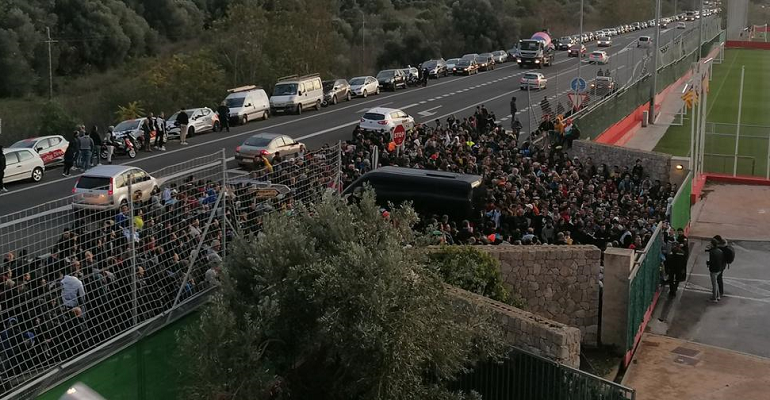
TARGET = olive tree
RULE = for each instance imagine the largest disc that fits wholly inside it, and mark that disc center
(330, 304)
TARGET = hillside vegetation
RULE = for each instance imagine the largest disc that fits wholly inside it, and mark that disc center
(166, 54)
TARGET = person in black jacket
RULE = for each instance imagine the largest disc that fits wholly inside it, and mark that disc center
(182, 119)
(71, 155)
(716, 264)
(2, 169)
(97, 149)
(676, 267)
(224, 116)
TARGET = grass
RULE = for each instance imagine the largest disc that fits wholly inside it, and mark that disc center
(723, 116)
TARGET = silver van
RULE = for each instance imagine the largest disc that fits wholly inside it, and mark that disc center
(247, 103)
(105, 187)
(295, 93)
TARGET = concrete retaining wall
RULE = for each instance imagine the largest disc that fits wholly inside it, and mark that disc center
(560, 283)
(657, 165)
(527, 331)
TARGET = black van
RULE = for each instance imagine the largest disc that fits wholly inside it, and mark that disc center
(459, 196)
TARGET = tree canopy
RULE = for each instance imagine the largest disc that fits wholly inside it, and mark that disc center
(329, 305)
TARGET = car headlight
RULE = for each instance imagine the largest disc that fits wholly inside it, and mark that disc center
(518, 60)
(537, 61)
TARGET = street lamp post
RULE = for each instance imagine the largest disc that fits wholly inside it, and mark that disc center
(580, 54)
(653, 87)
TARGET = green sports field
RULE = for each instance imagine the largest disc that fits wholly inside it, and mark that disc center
(723, 116)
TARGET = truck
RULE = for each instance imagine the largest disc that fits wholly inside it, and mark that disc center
(537, 51)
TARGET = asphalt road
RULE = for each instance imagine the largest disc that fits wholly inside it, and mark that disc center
(458, 95)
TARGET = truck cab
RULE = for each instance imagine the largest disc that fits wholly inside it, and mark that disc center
(537, 51)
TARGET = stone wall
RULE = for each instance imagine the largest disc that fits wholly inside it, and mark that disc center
(560, 283)
(657, 165)
(530, 332)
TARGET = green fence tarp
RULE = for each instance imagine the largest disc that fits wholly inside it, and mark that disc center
(680, 209)
(643, 287)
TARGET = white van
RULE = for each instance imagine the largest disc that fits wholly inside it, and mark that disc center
(295, 93)
(247, 103)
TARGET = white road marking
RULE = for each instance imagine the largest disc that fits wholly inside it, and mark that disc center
(409, 106)
(429, 112)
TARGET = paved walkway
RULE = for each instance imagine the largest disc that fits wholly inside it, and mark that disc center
(737, 212)
(669, 368)
(647, 138)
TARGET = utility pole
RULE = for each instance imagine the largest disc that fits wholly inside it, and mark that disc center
(700, 31)
(50, 63)
(653, 87)
(580, 53)
(363, 41)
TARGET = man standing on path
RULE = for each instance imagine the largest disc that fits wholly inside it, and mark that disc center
(716, 265)
(224, 116)
(160, 131)
(729, 257)
(676, 267)
(514, 110)
(86, 144)
(97, 148)
(2, 169)
(182, 119)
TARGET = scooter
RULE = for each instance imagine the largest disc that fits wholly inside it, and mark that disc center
(123, 146)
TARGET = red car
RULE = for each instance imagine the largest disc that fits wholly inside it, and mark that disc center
(577, 50)
(50, 148)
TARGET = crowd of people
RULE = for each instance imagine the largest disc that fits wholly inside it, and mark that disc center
(81, 292)
(535, 193)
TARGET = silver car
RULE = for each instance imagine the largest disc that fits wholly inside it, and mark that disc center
(249, 154)
(200, 120)
(105, 187)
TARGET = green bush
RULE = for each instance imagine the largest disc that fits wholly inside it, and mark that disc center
(473, 270)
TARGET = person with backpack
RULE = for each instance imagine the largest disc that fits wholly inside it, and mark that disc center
(729, 256)
(716, 264)
(676, 267)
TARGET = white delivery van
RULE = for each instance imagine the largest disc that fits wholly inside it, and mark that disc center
(247, 103)
(296, 93)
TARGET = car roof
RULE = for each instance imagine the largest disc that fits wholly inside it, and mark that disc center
(7, 150)
(107, 171)
(35, 139)
(361, 77)
(382, 110)
(268, 135)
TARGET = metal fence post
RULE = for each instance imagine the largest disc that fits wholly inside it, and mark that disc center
(738, 127)
(224, 204)
(132, 249)
(338, 182)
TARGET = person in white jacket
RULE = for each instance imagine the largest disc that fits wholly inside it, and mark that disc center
(72, 292)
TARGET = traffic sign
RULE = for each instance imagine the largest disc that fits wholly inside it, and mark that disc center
(399, 134)
(578, 100)
(578, 84)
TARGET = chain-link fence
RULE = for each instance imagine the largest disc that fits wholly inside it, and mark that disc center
(675, 59)
(129, 252)
(751, 158)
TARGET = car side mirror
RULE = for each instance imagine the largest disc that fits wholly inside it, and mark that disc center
(38, 149)
(248, 105)
(299, 93)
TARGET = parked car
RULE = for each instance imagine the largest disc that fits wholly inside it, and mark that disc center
(578, 50)
(336, 90)
(295, 93)
(132, 128)
(644, 41)
(471, 56)
(105, 187)
(385, 119)
(451, 64)
(533, 80)
(248, 154)
(604, 41)
(466, 67)
(392, 78)
(486, 61)
(436, 68)
(200, 120)
(22, 164)
(411, 73)
(501, 56)
(598, 57)
(247, 103)
(364, 86)
(50, 148)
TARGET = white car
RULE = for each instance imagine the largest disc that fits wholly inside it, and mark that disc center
(364, 86)
(105, 187)
(200, 120)
(644, 41)
(681, 25)
(50, 148)
(604, 41)
(21, 164)
(385, 119)
(598, 57)
(533, 80)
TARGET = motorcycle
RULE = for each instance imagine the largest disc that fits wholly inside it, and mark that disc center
(123, 146)
(412, 80)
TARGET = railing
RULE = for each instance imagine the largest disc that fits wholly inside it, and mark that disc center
(724, 163)
(524, 375)
(643, 291)
(680, 208)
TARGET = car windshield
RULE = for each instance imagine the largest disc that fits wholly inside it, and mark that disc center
(328, 85)
(23, 144)
(453, 61)
(597, 54)
(257, 141)
(386, 74)
(357, 81)
(284, 89)
(234, 102)
(464, 63)
(93, 182)
(530, 76)
(129, 125)
(529, 45)
(643, 39)
(429, 64)
(374, 116)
